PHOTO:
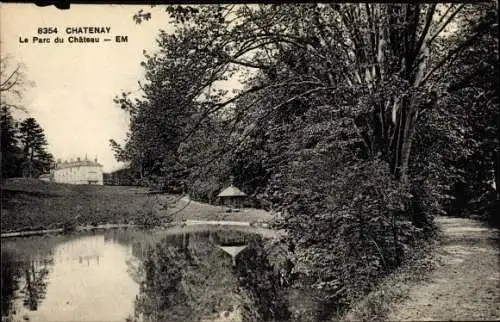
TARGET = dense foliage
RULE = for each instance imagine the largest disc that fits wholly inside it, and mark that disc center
(352, 122)
(24, 147)
(473, 107)
(11, 153)
(121, 177)
(35, 160)
(23, 143)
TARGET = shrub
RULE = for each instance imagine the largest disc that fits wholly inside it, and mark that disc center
(69, 226)
(148, 219)
(347, 228)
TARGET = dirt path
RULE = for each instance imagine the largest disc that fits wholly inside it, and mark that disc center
(466, 283)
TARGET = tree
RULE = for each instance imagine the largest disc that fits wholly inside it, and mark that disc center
(388, 52)
(169, 108)
(472, 103)
(393, 62)
(36, 159)
(11, 153)
(346, 106)
(12, 82)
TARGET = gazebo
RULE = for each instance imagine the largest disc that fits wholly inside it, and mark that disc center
(232, 197)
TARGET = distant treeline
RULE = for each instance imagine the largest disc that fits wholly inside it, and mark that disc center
(122, 177)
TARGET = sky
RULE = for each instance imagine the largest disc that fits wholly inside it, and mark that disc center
(74, 83)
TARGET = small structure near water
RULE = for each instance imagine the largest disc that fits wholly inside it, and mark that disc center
(232, 197)
(48, 177)
(233, 251)
(231, 243)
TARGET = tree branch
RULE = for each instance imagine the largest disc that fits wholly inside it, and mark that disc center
(7, 84)
(428, 20)
(479, 29)
(446, 23)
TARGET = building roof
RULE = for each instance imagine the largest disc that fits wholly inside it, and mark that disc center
(78, 163)
(231, 191)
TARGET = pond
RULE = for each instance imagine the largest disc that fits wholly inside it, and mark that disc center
(131, 275)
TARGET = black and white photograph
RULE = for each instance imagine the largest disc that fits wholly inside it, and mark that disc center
(250, 162)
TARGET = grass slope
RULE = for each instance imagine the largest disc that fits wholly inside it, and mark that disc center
(33, 204)
(30, 204)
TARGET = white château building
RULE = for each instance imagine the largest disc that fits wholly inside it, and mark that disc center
(78, 172)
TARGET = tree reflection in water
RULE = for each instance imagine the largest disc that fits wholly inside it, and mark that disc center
(10, 275)
(189, 278)
(35, 272)
(26, 275)
(262, 283)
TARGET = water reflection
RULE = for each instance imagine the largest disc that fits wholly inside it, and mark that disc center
(66, 278)
(140, 276)
(24, 279)
(9, 276)
(194, 279)
(262, 284)
(35, 279)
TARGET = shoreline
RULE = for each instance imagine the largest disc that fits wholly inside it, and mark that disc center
(178, 224)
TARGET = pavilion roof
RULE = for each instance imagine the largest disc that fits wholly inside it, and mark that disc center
(231, 191)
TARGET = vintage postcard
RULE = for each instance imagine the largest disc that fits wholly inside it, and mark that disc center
(249, 162)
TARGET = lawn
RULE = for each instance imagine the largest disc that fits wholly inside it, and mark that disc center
(30, 204)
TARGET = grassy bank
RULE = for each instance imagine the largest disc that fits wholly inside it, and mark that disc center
(34, 205)
(29, 204)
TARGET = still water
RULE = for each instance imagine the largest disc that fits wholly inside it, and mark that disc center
(130, 275)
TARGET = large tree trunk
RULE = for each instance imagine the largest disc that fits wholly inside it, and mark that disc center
(497, 162)
(407, 137)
